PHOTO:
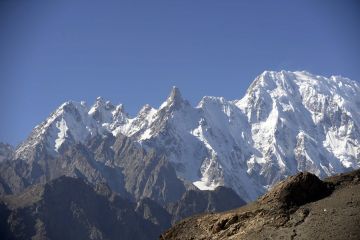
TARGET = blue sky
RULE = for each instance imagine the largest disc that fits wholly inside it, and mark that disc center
(132, 52)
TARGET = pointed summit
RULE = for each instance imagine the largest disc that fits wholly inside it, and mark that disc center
(101, 105)
(120, 108)
(175, 95)
(100, 102)
(174, 100)
(145, 109)
(120, 112)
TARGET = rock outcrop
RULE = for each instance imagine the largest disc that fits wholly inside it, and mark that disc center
(300, 207)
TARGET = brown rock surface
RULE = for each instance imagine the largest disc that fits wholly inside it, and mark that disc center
(301, 207)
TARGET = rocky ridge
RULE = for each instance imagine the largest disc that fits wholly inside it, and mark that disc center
(300, 207)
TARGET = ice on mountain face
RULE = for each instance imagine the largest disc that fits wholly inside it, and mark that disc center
(286, 122)
(62, 133)
(315, 101)
(118, 119)
(192, 138)
(204, 184)
(139, 125)
(344, 148)
(71, 123)
(281, 106)
(334, 107)
(210, 174)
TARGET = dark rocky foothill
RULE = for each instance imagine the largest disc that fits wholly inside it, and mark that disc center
(300, 207)
(297, 190)
(72, 208)
(68, 208)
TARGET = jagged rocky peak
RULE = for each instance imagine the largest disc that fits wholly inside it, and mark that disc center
(220, 107)
(70, 106)
(210, 100)
(175, 100)
(269, 80)
(257, 102)
(263, 80)
(145, 108)
(119, 111)
(175, 94)
(73, 109)
(104, 112)
(100, 104)
(289, 89)
(146, 113)
(120, 108)
(320, 84)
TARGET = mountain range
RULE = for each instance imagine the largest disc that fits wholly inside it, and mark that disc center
(286, 122)
(185, 159)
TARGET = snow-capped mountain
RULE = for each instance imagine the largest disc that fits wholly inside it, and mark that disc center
(72, 123)
(286, 122)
